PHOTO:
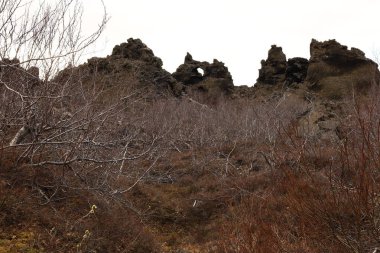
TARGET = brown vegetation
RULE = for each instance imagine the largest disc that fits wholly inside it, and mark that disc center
(322, 197)
(230, 177)
(117, 155)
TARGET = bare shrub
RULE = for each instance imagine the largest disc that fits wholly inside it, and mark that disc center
(323, 196)
(60, 144)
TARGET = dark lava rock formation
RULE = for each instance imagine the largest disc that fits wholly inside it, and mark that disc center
(215, 76)
(331, 73)
(322, 84)
(137, 59)
(277, 70)
(332, 70)
(134, 65)
(274, 68)
(335, 70)
(296, 70)
(135, 49)
(131, 65)
(188, 73)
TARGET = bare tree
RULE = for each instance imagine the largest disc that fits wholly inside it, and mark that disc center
(57, 121)
(45, 36)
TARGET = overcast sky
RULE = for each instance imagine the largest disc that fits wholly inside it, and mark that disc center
(236, 32)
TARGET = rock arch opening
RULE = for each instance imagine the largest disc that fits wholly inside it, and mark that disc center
(201, 71)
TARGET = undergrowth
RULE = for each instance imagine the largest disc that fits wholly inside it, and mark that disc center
(232, 176)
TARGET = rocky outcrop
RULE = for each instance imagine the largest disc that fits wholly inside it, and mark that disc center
(296, 70)
(274, 68)
(204, 76)
(325, 83)
(334, 70)
(189, 72)
(135, 49)
(133, 62)
(334, 53)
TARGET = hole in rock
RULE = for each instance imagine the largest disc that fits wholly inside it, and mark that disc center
(200, 71)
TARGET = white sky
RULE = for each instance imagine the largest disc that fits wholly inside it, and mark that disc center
(237, 32)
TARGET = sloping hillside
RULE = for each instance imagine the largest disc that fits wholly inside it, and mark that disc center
(119, 155)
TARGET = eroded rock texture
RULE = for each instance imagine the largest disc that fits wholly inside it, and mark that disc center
(296, 70)
(135, 49)
(204, 76)
(335, 70)
(273, 69)
(135, 64)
